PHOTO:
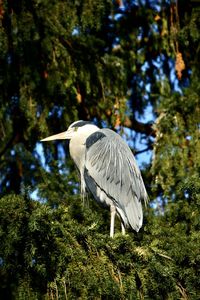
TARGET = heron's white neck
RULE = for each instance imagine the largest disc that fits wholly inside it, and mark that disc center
(77, 145)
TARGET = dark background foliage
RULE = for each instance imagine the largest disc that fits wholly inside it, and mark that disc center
(132, 66)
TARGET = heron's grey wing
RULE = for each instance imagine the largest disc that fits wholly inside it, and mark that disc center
(111, 170)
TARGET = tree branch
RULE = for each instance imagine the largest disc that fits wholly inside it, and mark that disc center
(12, 141)
(150, 147)
(7, 146)
(146, 128)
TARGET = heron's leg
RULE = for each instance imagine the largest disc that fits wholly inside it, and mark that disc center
(123, 229)
(83, 189)
(112, 219)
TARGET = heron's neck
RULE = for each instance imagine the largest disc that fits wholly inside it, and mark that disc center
(77, 147)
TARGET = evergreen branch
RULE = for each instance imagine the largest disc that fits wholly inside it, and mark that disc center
(165, 256)
(182, 291)
(162, 255)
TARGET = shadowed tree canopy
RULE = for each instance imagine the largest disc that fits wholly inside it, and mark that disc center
(132, 66)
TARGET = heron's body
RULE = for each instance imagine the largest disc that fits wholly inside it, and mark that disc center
(108, 170)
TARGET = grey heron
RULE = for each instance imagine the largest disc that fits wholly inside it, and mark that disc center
(108, 170)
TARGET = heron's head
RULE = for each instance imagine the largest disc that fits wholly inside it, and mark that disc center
(78, 128)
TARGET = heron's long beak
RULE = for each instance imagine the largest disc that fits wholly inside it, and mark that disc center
(60, 136)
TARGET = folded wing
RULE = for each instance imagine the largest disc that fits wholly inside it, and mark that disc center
(111, 174)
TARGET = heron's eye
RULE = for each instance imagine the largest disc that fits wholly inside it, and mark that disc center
(75, 128)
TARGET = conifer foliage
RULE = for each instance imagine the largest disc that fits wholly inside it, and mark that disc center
(110, 62)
